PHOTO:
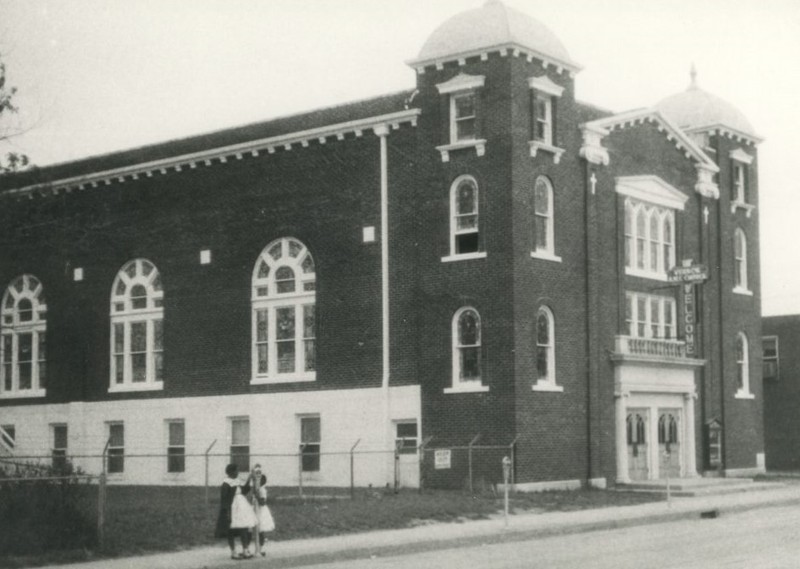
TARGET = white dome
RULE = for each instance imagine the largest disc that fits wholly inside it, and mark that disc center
(696, 109)
(492, 25)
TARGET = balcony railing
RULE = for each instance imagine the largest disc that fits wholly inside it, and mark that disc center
(650, 347)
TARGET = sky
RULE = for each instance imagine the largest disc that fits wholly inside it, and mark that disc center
(96, 76)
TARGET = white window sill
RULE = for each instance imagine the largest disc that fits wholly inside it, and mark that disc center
(128, 387)
(646, 274)
(748, 208)
(744, 395)
(479, 144)
(548, 386)
(545, 256)
(473, 387)
(742, 291)
(284, 378)
(23, 394)
(536, 145)
(464, 257)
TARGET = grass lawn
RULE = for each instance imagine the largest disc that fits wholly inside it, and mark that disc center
(151, 519)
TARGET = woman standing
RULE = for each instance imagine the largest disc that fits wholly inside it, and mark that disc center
(265, 521)
(236, 517)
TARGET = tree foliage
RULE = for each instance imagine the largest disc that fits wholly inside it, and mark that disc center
(13, 161)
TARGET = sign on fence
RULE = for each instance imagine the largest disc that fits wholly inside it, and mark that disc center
(442, 459)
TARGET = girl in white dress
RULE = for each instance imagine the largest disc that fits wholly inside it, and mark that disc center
(265, 521)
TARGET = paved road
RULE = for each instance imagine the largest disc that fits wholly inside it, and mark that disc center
(768, 538)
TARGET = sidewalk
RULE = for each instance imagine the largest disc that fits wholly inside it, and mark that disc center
(297, 553)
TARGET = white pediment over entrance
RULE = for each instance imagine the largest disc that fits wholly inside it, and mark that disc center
(652, 189)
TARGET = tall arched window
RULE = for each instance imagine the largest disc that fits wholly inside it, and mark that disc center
(23, 330)
(545, 351)
(284, 313)
(649, 239)
(740, 260)
(543, 216)
(137, 328)
(464, 232)
(467, 373)
(742, 366)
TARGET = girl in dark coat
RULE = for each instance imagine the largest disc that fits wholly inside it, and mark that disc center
(227, 493)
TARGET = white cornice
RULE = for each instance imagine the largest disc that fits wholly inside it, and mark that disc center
(652, 189)
(728, 132)
(461, 82)
(545, 85)
(741, 156)
(504, 50)
(222, 154)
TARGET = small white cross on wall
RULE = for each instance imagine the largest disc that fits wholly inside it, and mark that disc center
(593, 181)
(705, 214)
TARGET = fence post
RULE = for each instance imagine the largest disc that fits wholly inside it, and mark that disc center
(208, 450)
(101, 509)
(421, 460)
(352, 475)
(472, 442)
(300, 469)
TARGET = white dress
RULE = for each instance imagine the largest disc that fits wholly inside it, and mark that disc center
(242, 515)
(265, 521)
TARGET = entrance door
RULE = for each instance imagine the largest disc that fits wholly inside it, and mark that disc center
(669, 443)
(636, 421)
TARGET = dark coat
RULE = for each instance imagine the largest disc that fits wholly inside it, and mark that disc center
(226, 494)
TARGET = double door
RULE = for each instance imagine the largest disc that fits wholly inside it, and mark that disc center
(646, 461)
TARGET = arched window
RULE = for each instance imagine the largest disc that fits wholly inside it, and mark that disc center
(464, 232)
(545, 351)
(543, 216)
(23, 330)
(284, 313)
(137, 328)
(649, 239)
(466, 349)
(742, 366)
(740, 260)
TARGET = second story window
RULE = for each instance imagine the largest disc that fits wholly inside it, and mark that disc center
(137, 328)
(544, 232)
(464, 231)
(467, 374)
(283, 300)
(23, 331)
(742, 353)
(463, 113)
(739, 183)
(543, 118)
(650, 316)
(740, 262)
(770, 357)
(545, 94)
(649, 239)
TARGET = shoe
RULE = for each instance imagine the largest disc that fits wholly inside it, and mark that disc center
(247, 555)
(236, 556)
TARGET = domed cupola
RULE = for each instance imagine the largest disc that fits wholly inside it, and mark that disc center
(492, 27)
(696, 111)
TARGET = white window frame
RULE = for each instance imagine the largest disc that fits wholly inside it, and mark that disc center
(545, 91)
(169, 446)
(455, 215)
(665, 319)
(12, 326)
(462, 85)
(239, 444)
(302, 444)
(776, 358)
(400, 442)
(547, 218)
(739, 183)
(740, 269)
(455, 119)
(547, 383)
(740, 173)
(639, 259)
(742, 367)
(115, 447)
(125, 314)
(59, 453)
(459, 385)
(266, 299)
(8, 437)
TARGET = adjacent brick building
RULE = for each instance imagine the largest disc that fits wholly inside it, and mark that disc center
(781, 368)
(482, 254)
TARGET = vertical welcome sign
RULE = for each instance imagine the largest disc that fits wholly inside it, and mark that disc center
(689, 319)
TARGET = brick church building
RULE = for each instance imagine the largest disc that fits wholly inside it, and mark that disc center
(481, 254)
